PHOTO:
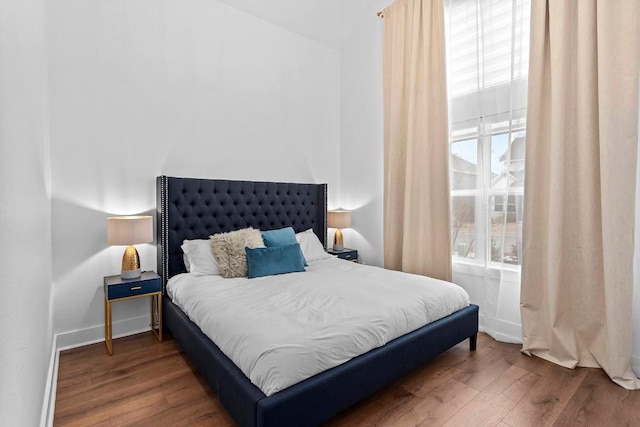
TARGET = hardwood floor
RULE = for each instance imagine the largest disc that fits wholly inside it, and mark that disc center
(150, 383)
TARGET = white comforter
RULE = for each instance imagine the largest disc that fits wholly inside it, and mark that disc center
(280, 330)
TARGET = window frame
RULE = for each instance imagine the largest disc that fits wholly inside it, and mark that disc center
(483, 209)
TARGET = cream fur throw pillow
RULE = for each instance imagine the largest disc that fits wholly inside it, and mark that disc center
(228, 248)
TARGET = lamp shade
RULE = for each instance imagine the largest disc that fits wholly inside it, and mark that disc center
(129, 230)
(339, 218)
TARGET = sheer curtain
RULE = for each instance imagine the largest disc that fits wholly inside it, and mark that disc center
(487, 53)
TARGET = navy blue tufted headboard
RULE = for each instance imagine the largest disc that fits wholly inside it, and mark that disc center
(190, 208)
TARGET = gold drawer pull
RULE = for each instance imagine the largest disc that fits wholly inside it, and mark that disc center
(136, 288)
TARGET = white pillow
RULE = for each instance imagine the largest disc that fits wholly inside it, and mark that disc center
(311, 247)
(199, 258)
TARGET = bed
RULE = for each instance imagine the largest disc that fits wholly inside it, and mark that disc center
(189, 208)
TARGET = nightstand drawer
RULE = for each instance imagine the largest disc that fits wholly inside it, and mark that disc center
(346, 254)
(116, 288)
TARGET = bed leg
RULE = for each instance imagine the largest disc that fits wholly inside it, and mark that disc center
(473, 341)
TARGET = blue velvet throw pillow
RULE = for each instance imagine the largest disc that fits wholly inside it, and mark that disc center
(281, 237)
(275, 260)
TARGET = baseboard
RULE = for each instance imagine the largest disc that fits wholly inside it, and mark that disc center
(49, 402)
(504, 331)
(79, 338)
(92, 335)
(635, 365)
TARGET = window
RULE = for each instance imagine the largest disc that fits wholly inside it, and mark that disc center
(487, 48)
(487, 201)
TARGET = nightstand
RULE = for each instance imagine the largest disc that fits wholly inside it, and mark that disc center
(346, 254)
(116, 289)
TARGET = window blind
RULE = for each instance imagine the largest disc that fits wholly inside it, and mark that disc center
(486, 43)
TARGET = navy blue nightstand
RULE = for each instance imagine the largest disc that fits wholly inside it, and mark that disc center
(346, 254)
(116, 288)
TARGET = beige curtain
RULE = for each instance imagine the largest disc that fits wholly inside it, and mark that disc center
(582, 132)
(417, 234)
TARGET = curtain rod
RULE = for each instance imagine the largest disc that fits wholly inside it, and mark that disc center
(380, 14)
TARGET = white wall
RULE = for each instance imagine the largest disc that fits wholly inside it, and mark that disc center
(362, 125)
(191, 88)
(25, 224)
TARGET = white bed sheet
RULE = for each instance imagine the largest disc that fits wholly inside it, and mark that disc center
(280, 330)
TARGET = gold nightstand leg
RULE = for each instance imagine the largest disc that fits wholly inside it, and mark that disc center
(153, 296)
(107, 327)
(157, 298)
(160, 317)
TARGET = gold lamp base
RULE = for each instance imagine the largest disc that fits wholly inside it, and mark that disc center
(130, 263)
(338, 241)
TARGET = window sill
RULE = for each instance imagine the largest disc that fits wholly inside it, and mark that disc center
(509, 273)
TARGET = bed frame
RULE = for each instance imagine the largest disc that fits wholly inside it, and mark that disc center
(189, 208)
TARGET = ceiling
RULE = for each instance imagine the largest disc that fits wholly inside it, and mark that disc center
(318, 20)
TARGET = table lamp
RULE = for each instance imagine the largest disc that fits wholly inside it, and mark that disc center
(339, 218)
(130, 230)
